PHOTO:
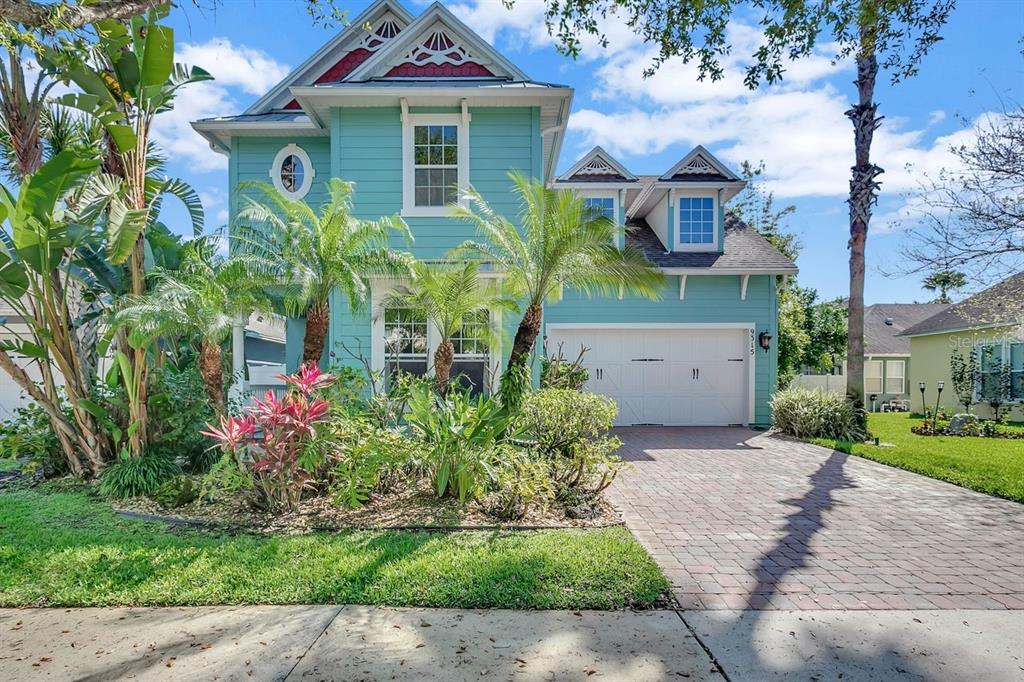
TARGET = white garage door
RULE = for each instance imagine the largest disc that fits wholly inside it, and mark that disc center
(670, 376)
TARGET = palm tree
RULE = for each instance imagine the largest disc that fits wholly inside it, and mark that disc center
(448, 296)
(564, 243)
(945, 281)
(201, 300)
(312, 254)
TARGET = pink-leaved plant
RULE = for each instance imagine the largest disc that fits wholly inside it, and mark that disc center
(286, 426)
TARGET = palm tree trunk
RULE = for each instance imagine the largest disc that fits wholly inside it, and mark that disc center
(211, 369)
(318, 318)
(444, 357)
(526, 335)
(863, 191)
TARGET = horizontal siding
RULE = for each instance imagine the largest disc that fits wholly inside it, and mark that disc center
(709, 299)
(254, 156)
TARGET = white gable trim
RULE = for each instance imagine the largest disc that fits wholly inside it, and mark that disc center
(597, 157)
(419, 30)
(371, 15)
(699, 160)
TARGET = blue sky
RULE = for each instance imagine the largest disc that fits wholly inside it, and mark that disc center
(796, 128)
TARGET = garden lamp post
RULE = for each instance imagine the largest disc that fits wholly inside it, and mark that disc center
(935, 416)
(924, 407)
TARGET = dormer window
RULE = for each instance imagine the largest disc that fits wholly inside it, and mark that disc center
(604, 205)
(698, 223)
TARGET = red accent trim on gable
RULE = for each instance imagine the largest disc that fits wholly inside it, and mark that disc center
(344, 66)
(435, 71)
(292, 105)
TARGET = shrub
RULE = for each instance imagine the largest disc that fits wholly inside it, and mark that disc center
(31, 435)
(558, 419)
(556, 372)
(176, 403)
(459, 433)
(137, 476)
(369, 458)
(177, 492)
(289, 448)
(816, 414)
(518, 483)
(567, 428)
(228, 476)
(515, 386)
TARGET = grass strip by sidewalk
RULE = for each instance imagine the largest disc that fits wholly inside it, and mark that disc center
(68, 548)
(989, 465)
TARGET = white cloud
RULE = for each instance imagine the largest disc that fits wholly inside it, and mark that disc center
(236, 70)
(252, 70)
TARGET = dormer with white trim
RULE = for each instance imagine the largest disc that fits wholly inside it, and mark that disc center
(685, 206)
(604, 183)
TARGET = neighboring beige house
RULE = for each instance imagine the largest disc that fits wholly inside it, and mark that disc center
(989, 324)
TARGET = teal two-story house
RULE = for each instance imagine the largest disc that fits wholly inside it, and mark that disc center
(411, 107)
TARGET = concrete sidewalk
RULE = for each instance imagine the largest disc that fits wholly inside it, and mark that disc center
(369, 643)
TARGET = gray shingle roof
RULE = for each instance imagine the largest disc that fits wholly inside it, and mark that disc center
(744, 249)
(883, 323)
(1001, 304)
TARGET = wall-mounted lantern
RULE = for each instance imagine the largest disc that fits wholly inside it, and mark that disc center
(765, 340)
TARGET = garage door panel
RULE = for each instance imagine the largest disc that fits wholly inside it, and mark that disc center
(666, 376)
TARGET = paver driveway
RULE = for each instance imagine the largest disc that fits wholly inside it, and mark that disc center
(741, 519)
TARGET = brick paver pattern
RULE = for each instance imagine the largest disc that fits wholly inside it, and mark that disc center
(740, 519)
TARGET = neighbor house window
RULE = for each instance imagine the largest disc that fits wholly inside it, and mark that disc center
(604, 205)
(872, 376)
(990, 368)
(405, 342)
(1017, 371)
(292, 172)
(435, 159)
(471, 353)
(696, 220)
(895, 375)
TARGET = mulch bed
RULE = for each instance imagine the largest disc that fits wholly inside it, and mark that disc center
(410, 508)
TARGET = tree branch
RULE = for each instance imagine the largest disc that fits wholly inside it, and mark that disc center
(72, 16)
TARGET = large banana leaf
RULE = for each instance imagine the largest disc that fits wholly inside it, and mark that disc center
(124, 225)
(43, 189)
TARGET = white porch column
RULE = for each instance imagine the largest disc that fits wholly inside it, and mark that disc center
(237, 359)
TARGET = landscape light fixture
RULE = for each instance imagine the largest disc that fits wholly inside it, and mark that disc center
(924, 408)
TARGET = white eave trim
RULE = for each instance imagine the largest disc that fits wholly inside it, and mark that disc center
(728, 271)
(480, 91)
(559, 184)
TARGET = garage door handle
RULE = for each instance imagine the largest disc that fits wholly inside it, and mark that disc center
(735, 359)
(648, 360)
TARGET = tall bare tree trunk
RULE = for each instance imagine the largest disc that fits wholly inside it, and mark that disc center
(444, 357)
(211, 368)
(526, 336)
(863, 195)
(318, 318)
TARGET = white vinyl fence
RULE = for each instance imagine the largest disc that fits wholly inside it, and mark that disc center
(822, 382)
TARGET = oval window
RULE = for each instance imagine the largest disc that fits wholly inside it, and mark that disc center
(292, 172)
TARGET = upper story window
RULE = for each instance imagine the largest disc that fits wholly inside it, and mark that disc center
(435, 160)
(292, 172)
(606, 205)
(436, 163)
(697, 221)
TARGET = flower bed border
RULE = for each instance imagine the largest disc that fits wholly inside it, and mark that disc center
(171, 520)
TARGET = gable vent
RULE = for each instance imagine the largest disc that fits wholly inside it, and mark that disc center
(598, 166)
(698, 165)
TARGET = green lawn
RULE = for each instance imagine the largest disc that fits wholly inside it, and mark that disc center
(990, 465)
(68, 548)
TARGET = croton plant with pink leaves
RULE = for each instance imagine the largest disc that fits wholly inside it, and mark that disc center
(277, 434)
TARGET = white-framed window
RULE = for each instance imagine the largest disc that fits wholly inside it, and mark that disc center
(406, 343)
(435, 160)
(472, 360)
(895, 376)
(1017, 371)
(292, 172)
(606, 206)
(697, 221)
(873, 376)
(998, 362)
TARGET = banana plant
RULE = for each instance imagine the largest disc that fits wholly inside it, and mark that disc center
(42, 239)
(128, 78)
